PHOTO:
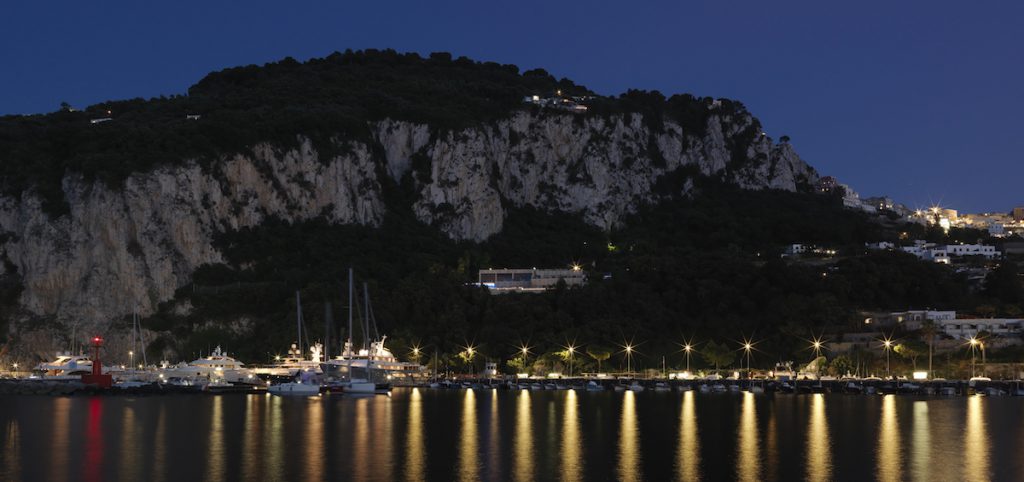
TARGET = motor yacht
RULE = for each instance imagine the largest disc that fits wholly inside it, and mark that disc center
(217, 366)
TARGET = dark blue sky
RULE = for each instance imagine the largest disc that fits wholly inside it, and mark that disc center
(920, 100)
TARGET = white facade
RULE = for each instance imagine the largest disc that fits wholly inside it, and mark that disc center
(972, 250)
(881, 245)
(967, 328)
(934, 254)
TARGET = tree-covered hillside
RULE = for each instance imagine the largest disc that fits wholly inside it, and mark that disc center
(330, 98)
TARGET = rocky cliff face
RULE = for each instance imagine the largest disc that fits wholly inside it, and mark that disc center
(130, 247)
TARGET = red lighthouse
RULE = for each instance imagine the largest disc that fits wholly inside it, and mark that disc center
(97, 377)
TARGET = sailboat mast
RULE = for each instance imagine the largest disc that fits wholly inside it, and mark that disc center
(366, 316)
(350, 295)
(298, 319)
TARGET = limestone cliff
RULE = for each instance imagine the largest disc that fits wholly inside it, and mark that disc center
(131, 246)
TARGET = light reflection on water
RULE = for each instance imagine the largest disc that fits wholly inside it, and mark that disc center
(314, 440)
(889, 458)
(629, 450)
(59, 452)
(418, 435)
(819, 447)
(415, 450)
(215, 444)
(468, 467)
(523, 441)
(572, 469)
(920, 443)
(748, 457)
(688, 458)
(976, 441)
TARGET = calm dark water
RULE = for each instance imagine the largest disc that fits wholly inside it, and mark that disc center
(500, 435)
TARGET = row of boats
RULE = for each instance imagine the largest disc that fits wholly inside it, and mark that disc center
(369, 368)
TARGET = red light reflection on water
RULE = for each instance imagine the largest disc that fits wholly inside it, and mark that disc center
(94, 441)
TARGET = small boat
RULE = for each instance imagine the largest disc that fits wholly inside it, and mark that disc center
(718, 388)
(619, 388)
(294, 388)
(636, 387)
(734, 388)
(947, 391)
(704, 388)
(683, 388)
(550, 386)
(593, 386)
(853, 387)
(662, 387)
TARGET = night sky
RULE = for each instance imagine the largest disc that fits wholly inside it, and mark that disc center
(920, 100)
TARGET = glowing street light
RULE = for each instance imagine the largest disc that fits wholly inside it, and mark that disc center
(572, 351)
(975, 342)
(525, 350)
(887, 344)
(747, 347)
(687, 348)
(629, 358)
(131, 357)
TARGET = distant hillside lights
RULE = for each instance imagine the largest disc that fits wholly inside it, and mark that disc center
(570, 104)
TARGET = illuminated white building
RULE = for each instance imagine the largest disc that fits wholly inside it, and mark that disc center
(529, 279)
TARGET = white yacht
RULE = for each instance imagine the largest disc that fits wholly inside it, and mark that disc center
(376, 363)
(65, 365)
(217, 366)
(294, 363)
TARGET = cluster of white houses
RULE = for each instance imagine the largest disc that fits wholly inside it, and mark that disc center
(940, 253)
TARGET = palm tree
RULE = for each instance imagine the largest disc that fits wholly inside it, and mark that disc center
(928, 329)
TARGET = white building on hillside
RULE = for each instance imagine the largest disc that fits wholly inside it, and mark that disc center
(966, 328)
(972, 250)
(928, 253)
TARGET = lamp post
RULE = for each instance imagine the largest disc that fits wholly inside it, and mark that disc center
(888, 345)
(526, 368)
(572, 350)
(817, 354)
(131, 359)
(629, 359)
(746, 348)
(975, 343)
(687, 348)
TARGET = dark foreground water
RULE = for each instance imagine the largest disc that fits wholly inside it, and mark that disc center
(418, 434)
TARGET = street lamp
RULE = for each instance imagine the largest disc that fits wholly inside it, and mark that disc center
(887, 343)
(974, 342)
(131, 358)
(525, 350)
(629, 358)
(747, 346)
(687, 348)
(572, 350)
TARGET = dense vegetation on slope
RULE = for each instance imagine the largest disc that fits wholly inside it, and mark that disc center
(323, 99)
(706, 267)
